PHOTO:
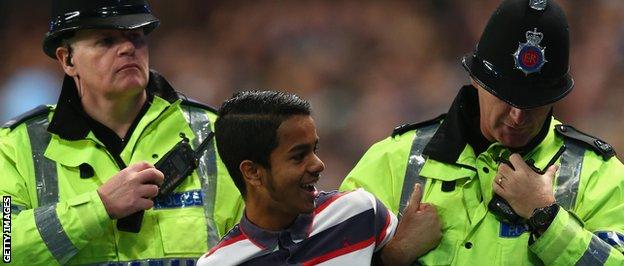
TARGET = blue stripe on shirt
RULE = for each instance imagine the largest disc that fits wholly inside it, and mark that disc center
(380, 220)
(354, 230)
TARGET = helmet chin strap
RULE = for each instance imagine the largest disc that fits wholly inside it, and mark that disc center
(68, 62)
(79, 87)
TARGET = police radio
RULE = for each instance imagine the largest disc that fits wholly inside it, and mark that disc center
(501, 208)
(176, 165)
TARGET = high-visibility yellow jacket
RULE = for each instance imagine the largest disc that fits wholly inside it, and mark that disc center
(589, 187)
(58, 217)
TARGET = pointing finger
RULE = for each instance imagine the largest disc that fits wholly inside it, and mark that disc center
(414, 201)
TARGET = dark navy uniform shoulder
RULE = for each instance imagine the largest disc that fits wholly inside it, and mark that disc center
(193, 103)
(35, 112)
(402, 129)
(597, 145)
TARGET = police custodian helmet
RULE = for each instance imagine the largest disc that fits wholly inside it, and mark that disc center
(522, 56)
(71, 15)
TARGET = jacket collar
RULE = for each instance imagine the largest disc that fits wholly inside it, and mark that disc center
(162, 118)
(461, 128)
(70, 121)
(268, 240)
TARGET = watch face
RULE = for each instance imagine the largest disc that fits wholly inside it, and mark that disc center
(541, 217)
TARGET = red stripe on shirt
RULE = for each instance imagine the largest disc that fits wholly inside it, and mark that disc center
(226, 243)
(333, 198)
(382, 235)
(340, 252)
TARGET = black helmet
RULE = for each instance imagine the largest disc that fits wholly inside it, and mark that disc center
(71, 15)
(522, 57)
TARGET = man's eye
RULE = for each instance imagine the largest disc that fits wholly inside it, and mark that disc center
(299, 157)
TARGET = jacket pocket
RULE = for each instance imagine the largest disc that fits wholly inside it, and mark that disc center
(183, 232)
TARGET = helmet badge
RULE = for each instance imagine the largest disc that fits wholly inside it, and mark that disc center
(537, 4)
(530, 56)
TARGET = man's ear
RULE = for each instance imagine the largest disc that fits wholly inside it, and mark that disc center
(252, 172)
(64, 56)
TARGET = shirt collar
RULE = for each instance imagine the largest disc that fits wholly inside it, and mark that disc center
(461, 127)
(268, 240)
(71, 122)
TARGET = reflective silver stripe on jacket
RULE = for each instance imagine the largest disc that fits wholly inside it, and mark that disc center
(596, 254)
(45, 169)
(569, 175)
(53, 235)
(152, 262)
(46, 180)
(415, 163)
(200, 124)
(566, 193)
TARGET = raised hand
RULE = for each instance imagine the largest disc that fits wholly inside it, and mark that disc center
(418, 232)
(523, 188)
(131, 190)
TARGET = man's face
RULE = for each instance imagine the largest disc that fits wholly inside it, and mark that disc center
(111, 63)
(295, 167)
(512, 127)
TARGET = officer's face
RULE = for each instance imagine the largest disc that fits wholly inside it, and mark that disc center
(295, 168)
(508, 125)
(110, 63)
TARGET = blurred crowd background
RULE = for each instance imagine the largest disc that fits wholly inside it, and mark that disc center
(366, 66)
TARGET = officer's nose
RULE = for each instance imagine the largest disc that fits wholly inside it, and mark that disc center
(130, 41)
(518, 116)
(126, 47)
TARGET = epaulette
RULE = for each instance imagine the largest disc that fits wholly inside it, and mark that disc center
(400, 130)
(598, 145)
(191, 102)
(37, 111)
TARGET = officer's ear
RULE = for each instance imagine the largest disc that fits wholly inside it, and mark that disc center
(252, 173)
(64, 56)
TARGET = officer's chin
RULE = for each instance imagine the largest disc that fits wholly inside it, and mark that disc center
(514, 141)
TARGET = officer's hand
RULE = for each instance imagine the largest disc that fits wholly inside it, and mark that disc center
(418, 232)
(130, 190)
(523, 188)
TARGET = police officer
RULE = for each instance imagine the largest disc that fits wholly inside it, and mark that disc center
(490, 164)
(73, 169)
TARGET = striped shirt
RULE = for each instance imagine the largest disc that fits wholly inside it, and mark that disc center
(344, 228)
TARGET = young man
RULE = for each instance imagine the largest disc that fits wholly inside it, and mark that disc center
(488, 164)
(268, 143)
(72, 170)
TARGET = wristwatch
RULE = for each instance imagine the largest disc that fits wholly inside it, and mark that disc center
(541, 218)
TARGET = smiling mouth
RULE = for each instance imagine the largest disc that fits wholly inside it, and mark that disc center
(309, 187)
